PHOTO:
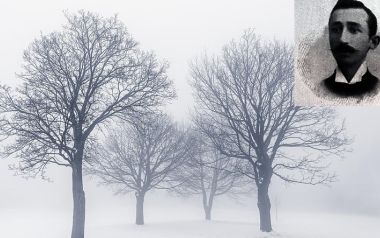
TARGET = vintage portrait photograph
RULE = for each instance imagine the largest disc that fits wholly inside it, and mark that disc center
(189, 119)
(337, 54)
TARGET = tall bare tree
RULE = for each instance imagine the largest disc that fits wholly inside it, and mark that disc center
(73, 81)
(245, 107)
(210, 174)
(141, 157)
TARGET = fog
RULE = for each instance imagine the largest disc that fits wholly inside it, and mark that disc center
(179, 31)
(357, 187)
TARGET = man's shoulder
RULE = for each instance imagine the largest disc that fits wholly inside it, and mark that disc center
(331, 86)
(330, 81)
(368, 86)
(370, 78)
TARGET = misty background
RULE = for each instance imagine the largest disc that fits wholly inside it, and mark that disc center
(179, 31)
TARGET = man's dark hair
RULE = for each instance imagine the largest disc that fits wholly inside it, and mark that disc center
(348, 4)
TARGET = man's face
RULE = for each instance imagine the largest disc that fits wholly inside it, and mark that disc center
(349, 38)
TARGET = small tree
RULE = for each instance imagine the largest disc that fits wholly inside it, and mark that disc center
(245, 107)
(210, 174)
(73, 81)
(141, 157)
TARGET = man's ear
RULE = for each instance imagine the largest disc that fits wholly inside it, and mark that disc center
(374, 42)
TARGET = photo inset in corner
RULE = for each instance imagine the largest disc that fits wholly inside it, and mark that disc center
(337, 53)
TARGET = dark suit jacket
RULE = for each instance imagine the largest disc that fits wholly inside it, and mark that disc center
(367, 86)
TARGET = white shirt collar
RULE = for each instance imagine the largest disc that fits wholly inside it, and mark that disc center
(339, 77)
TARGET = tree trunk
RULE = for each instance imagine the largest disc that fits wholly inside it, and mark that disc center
(140, 208)
(207, 212)
(79, 200)
(263, 203)
(207, 204)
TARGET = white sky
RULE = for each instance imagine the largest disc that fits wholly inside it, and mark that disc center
(177, 31)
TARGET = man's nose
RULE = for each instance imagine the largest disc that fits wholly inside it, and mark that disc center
(345, 36)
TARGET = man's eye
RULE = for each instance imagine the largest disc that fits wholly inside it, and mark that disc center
(354, 30)
(335, 29)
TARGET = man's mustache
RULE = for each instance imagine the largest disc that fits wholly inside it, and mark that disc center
(342, 48)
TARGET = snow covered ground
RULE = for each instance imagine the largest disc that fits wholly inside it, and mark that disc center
(241, 224)
(43, 210)
(330, 226)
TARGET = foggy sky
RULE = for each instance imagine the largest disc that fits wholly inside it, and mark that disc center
(178, 31)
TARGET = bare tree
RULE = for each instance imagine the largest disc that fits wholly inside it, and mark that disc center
(73, 81)
(210, 174)
(245, 107)
(141, 157)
